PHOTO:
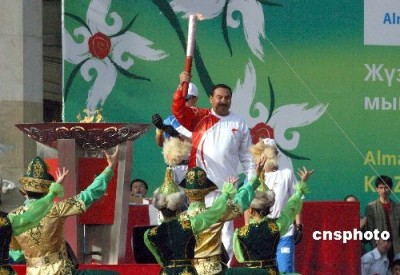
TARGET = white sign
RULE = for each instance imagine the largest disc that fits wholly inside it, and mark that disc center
(382, 22)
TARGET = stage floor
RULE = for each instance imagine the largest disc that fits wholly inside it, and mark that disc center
(123, 269)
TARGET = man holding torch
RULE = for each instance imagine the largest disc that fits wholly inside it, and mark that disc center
(220, 138)
(220, 141)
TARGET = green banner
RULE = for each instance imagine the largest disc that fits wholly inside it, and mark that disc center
(322, 77)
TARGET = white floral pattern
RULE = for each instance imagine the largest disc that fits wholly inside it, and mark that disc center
(284, 118)
(251, 13)
(106, 71)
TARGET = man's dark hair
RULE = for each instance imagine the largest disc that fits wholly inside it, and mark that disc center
(220, 86)
(140, 180)
(395, 262)
(385, 180)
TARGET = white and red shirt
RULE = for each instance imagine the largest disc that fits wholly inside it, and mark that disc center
(219, 143)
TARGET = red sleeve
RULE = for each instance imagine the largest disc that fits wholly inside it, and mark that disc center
(187, 117)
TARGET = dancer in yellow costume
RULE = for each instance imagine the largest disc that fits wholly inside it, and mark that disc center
(17, 224)
(44, 246)
(172, 242)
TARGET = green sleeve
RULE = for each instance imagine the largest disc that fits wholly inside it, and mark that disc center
(36, 211)
(245, 194)
(152, 248)
(292, 208)
(212, 214)
(17, 256)
(97, 188)
(236, 247)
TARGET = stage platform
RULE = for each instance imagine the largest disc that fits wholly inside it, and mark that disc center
(123, 269)
(317, 257)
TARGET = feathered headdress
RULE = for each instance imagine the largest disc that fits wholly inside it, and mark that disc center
(267, 148)
(175, 151)
(263, 201)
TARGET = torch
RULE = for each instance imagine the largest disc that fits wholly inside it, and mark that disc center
(190, 49)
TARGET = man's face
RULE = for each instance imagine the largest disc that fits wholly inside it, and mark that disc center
(383, 190)
(191, 101)
(221, 101)
(396, 270)
(138, 189)
(383, 245)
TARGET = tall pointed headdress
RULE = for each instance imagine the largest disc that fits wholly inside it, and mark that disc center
(168, 194)
(37, 178)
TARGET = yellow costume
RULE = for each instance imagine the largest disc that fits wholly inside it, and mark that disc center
(44, 246)
(208, 249)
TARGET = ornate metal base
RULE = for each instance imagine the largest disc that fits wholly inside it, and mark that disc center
(90, 136)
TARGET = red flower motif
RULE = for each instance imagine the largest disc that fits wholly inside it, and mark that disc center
(99, 45)
(261, 130)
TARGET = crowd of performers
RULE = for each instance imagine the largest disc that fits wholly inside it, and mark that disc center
(186, 242)
(189, 241)
(195, 235)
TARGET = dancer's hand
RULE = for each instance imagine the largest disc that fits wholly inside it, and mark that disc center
(112, 159)
(61, 175)
(260, 165)
(232, 180)
(304, 173)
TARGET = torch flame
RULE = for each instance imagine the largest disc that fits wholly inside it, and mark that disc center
(91, 116)
(200, 16)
